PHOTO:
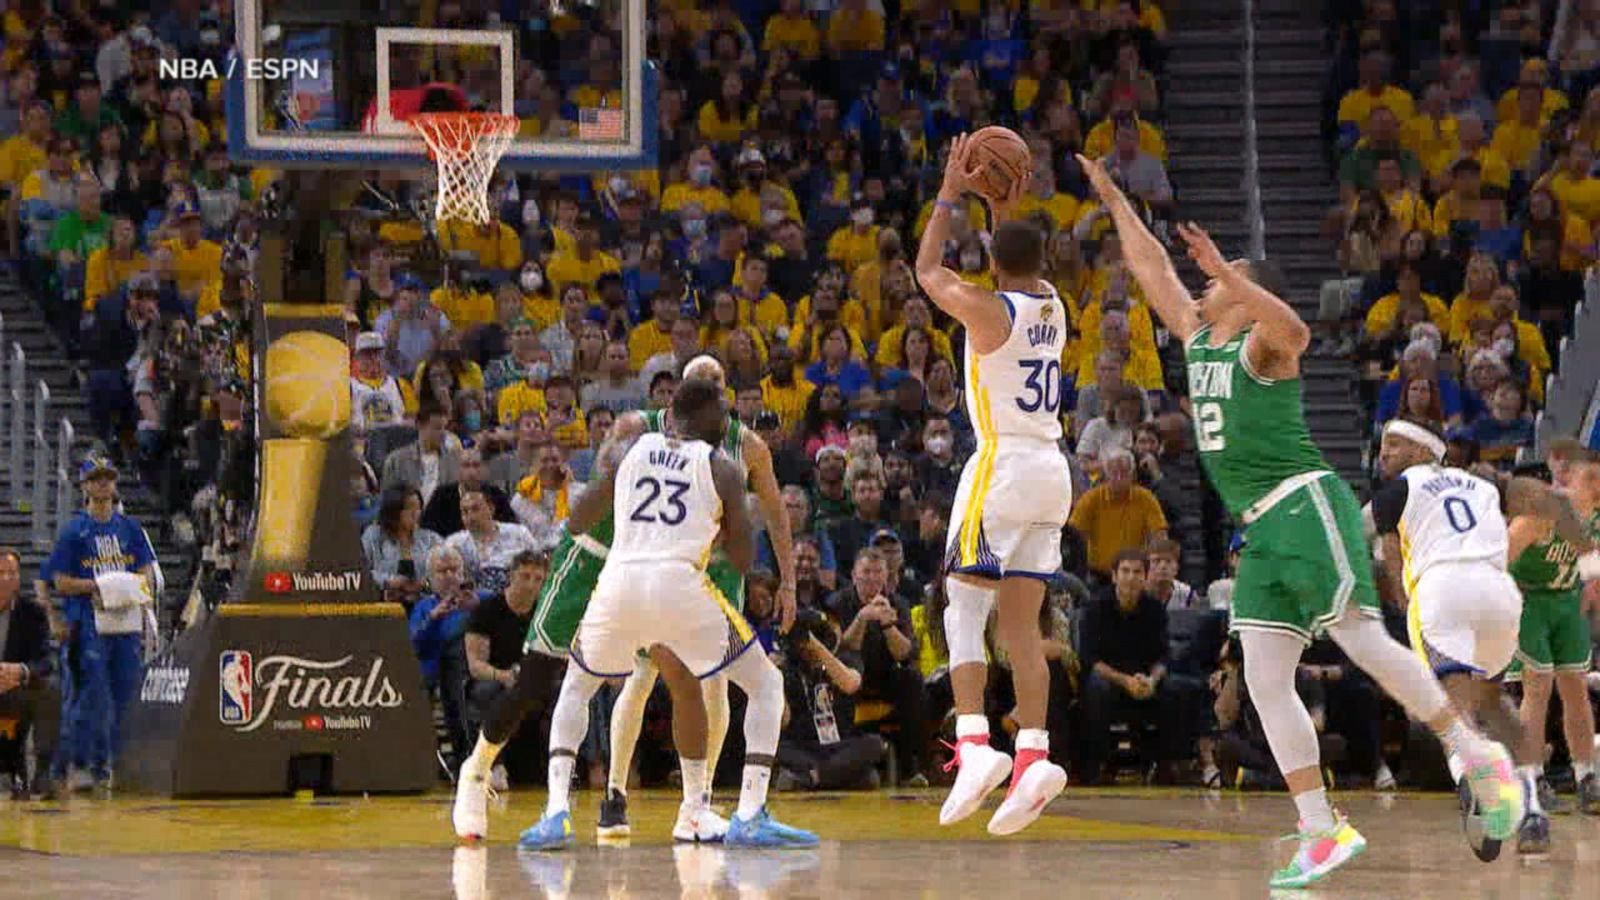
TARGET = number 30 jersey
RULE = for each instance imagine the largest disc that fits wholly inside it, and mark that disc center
(1015, 391)
(666, 504)
(1442, 515)
(1250, 430)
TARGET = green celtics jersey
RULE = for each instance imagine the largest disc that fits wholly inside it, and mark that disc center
(732, 442)
(1251, 431)
(1551, 565)
(731, 445)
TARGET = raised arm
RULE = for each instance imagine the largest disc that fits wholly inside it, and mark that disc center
(1147, 259)
(985, 316)
(764, 481)
(1279, 334)
(738, 531)
(595, 502)
(1532, 498)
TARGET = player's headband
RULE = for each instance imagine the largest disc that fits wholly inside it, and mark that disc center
(1417, 435)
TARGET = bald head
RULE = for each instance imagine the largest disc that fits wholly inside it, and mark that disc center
(707, 368)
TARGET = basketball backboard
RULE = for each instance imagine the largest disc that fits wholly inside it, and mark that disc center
(330, 83)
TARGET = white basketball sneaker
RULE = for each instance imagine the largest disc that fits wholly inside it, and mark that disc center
(982, 769)
(1036, 782)
(470, 816)
(698, 823)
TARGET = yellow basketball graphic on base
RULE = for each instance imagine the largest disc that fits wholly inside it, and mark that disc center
(308, 384)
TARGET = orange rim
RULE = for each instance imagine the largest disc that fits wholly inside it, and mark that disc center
(455, 133)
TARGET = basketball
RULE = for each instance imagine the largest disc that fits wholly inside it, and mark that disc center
(308, 384)
(1001, 157)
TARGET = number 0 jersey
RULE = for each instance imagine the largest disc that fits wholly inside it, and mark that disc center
(1015, 391)
(1250, 430)
(666, 504)
(1442, 515)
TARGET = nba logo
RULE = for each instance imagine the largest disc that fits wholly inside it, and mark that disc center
(235, 675)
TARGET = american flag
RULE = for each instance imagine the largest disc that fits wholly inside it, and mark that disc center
(600, 124)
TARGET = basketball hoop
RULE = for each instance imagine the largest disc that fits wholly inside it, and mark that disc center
(467, 146)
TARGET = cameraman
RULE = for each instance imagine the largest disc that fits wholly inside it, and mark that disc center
(821, 748)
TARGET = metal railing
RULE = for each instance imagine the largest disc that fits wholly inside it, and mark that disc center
(1254, 218)
(42, 457)
(17, 391)
(65, 500)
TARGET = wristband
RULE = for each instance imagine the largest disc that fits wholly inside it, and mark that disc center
(946, 205)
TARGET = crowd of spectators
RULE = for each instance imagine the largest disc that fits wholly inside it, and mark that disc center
(799, 151)
(800, 145)
(1467, 215)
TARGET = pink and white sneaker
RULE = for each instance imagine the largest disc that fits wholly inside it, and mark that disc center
(982, 769)
(1035, 781)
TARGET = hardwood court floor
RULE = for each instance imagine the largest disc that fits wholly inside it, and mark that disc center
(1093, 844)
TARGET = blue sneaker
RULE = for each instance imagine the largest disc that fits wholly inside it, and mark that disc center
(765, 831)
(551, 833)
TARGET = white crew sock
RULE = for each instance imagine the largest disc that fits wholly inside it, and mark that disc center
(1529, 776)
(753, 791)
(1581, 770)
(1033, 739)
(694, 780)
(972, 725)
(560, 784)
(481, 761)
(1457, 767)
(1458, 737)
(1315, 813)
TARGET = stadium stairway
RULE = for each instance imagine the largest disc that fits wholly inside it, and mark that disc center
(1204, 80)
(1206, 112)
(1291, 66)
(26, 327)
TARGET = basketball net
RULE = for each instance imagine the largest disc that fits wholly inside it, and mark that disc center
(466, 147)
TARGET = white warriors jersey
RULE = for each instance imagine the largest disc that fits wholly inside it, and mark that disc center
(666, 503)
(1015, 391)
(1450, 516)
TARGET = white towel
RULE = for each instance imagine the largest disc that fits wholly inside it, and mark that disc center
(119, 590)
(123, 599)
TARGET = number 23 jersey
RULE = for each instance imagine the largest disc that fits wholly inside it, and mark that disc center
(1015, 391)
(666, 504)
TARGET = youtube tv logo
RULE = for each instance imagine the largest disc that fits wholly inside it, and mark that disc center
(277, 583)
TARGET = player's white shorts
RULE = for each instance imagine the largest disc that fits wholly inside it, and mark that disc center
(1464, 617)
(637, 605)
(1014, 498)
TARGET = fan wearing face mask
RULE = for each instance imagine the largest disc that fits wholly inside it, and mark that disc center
(856, 243)
(697, 185)
(749, 204)
(539, 303)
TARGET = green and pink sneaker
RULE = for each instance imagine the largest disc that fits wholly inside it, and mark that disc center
(1319, 853)
(1494, 783)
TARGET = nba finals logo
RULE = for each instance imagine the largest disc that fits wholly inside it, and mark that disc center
(236, 677)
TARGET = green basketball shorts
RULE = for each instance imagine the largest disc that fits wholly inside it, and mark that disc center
(1305, 562)
(1554, 634)
(574, 571)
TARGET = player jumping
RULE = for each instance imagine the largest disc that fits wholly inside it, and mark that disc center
(1305, 568)
(1012, 501)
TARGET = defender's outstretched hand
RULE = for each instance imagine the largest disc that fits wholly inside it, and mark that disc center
(1203, 250)
(1099, 179)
